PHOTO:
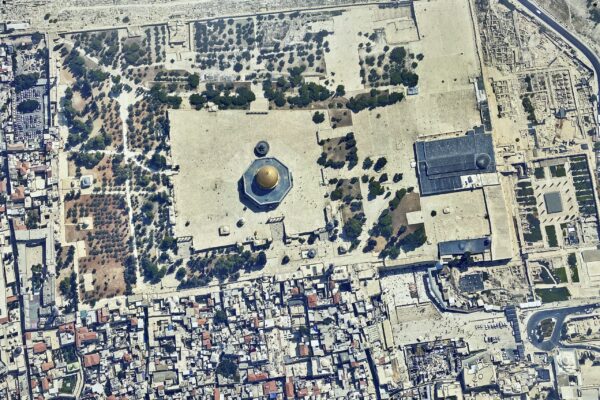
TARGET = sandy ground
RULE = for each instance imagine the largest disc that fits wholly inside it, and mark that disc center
(465, 218)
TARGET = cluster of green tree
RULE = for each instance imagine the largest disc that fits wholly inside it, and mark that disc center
(151, 271)
(228, 369)
(134, 54)
(129, 273)
(25, 81)
(120, 170)
(224, 97)
(380, 163)
(86, 160)
(225, 267)
(159, 95)
(103, 45)
(529, 108)
(75, 63)
(193, 81)
(375, 189)
(373, 100)
(408, 243)
(28, 106)
(98, 142)
(307, 92)
(68, 261)
(157, 162)
(79, 132)
(398, 72)
(97, 75)
(395, 202)
(68, 288)
(318, 117)
(354, 226)
(351, 155)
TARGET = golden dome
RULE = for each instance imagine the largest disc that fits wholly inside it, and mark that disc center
(267, 177)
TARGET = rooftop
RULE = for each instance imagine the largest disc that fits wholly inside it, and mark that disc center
(442, 163)
(553, 202)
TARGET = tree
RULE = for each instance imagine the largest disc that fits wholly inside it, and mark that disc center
(25, 81)
(36, 37)
(220, 317)
(318, 117)
(228, 369)
(367, 163)
(197, 101)
(340, 91)
(353, 228)
(193, 81)
(398, 55)
(381, 162)
(180, 274)
(261, 259)
(375, 189)
(28, 106)
(65, 286)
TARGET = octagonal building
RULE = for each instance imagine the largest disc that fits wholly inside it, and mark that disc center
(266, 182)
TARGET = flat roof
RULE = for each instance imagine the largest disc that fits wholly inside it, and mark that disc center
(553, 202)
(472, 246)
(442, 163)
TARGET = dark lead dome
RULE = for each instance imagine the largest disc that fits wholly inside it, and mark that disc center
(261, 149)
(482, 161)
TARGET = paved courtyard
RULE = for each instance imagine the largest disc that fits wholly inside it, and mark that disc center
(214, 149)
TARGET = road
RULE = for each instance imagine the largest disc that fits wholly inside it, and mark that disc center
(569, 37)
(559, 315)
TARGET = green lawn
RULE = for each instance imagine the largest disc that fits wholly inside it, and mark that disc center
(551, 235)
(558, 171)
(539, 173)
(553, 294)
(560, 274)
(572, 261)
(574, 274)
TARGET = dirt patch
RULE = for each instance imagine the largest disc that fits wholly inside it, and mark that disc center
(348, 191)
(106, 243)
(340, 118)
(396, 221)
(338, 151)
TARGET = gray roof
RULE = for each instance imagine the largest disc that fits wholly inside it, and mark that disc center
(472, 246)
(553, 202)
(441, 163)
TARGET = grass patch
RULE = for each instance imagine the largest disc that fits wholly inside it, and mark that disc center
(574, 274)
(558, 171)
(539, 173)
(572, 261)
(535, 232)
(550, 295)
(551, 235)
(546, 327)
(560, 274)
